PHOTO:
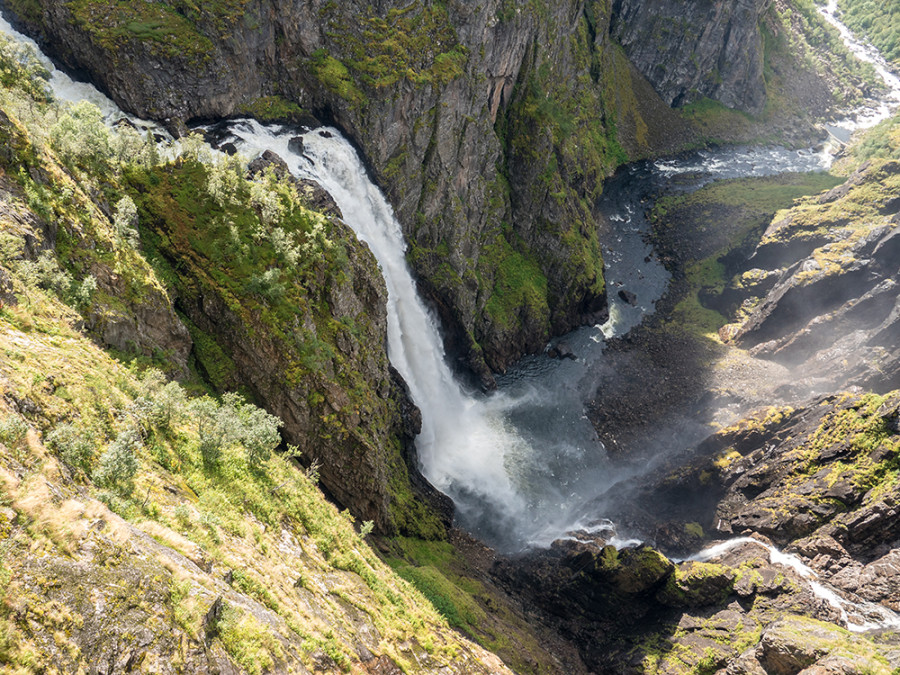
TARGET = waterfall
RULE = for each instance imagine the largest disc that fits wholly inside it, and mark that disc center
(518, 464)
(858, 616)
(467, 448)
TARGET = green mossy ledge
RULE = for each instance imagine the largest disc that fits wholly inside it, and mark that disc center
(298, 337)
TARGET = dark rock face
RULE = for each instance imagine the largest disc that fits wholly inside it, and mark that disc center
(484, 177)
(696, 49)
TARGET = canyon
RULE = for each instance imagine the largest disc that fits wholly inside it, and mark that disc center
(494, 132)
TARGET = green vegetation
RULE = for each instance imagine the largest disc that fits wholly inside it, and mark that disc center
(720, 218)
(880, 142)
(273, 109)
(415, 43)
(156, 492)
(873, 461)
(716, 122)
(878, 21)
(697, 584)
(819, 44)
(520, 288)
(160, 28)
(275, 269)
(440, 571)
(176, 29)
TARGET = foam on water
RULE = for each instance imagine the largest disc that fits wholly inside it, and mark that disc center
(858, 616)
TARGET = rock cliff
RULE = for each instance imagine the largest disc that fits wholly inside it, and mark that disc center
(718, 53)
(491, 127)
(820, 286)
(241, 287)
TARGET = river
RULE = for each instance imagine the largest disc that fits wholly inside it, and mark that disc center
(515, 461)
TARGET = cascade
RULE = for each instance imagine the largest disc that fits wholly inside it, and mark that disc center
(515, 463)
(857, 615)
(466, 446)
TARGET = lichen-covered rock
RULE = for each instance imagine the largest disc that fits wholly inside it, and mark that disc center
(697, 584)
(835, 299)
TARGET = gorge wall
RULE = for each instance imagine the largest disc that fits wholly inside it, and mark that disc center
(491, 127)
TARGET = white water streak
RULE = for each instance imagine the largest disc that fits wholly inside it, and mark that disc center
(857, 616)
(465, 445)
(866, 116)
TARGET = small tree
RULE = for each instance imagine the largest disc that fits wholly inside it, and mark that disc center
(73, 445)
(126, 221)
(217, 427)
(258, 434)
(81, 137)
(119, 463)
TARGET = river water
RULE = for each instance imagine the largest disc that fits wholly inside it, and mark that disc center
(516, 461)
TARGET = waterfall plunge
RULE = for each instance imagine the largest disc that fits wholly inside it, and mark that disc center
(466, 447)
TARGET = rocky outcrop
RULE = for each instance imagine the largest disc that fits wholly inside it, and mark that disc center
(305, 339)
(818, 480)
(634, 611)
(490, 128)
(789, 474)
(127, 309)
(822, 284)
(695, 50)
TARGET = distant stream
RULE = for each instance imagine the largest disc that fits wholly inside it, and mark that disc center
(516, 461)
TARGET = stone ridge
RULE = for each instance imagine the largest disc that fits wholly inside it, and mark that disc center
(491, 126)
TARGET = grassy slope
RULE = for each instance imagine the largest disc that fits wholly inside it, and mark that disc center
(303, 589)
(703, 227)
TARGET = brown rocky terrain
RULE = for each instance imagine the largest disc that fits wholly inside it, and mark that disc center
(820, 481)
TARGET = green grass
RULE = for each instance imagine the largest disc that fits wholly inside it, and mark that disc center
(416, 43)
(879, 22)
(273, 109)
(520, 286)
(717, 219)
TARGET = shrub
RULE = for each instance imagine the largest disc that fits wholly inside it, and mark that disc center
(125, 221)
(232, 422)
(119, 463)
(217, 428)
(72, 445)
(12, 429)
(81, 137)
(258, 433)
(20, 67)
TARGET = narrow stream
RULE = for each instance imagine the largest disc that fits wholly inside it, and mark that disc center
(516, 462)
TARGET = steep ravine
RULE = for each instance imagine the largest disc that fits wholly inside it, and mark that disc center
(491, 143)
(597, 581)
